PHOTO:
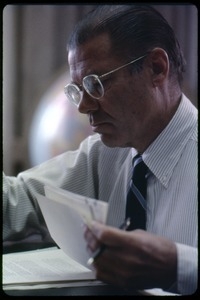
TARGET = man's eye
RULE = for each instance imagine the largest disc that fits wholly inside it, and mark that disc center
(106, 82)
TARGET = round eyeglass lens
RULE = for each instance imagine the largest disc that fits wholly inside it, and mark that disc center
(93, 86)
(72, 91)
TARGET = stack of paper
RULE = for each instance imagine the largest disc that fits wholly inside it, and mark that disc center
(64, 213)
(42, 269)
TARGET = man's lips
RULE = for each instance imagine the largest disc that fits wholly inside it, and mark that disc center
(97, 123)
(101, 127)
(95, 126)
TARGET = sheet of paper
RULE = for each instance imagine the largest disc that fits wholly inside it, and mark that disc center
(42, 266)
(65, 226)
(88, 208)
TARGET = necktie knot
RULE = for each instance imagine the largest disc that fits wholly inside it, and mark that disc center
(139, 174)
(136, 198)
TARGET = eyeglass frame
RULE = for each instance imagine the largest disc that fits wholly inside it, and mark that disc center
(81, 87)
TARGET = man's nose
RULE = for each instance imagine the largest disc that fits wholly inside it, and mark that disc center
(87, 104)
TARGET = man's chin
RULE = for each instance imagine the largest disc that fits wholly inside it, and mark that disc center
(108, 140)
(111, 141)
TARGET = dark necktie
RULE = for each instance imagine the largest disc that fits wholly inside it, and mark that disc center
(136, 197)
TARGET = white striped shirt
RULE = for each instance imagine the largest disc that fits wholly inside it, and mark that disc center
(104, 173)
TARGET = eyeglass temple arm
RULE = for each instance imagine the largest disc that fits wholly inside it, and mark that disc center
(122, 66)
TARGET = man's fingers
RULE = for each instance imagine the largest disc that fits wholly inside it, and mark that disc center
(108, 235)
(92, 241)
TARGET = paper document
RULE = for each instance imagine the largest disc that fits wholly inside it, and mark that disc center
(64, 213)
(42, 266)
(88, 208)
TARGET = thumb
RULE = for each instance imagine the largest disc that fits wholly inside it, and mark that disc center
(106, 234)
(97, 229)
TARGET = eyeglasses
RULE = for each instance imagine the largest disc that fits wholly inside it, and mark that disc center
(92, 85)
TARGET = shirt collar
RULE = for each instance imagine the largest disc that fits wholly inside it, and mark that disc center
(163, 154)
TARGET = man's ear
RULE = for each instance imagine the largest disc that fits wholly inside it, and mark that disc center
(159, 63)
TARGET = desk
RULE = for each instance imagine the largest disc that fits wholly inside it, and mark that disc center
(106, 290)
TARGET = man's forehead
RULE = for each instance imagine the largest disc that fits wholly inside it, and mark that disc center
(95, 48)
(93, 56)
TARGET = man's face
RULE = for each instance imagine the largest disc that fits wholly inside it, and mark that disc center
(126, 111)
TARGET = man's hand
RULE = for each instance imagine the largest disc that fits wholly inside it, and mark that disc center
(132, 259)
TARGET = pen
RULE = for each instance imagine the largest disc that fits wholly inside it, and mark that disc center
(99, 251)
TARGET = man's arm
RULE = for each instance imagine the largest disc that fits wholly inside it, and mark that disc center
(22, 216)
(21, 213)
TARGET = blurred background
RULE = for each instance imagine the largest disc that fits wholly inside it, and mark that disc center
(38, 121)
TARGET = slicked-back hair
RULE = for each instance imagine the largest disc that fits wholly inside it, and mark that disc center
(133, 30)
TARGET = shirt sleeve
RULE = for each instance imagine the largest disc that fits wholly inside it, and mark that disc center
(72, 170)
(187, 269)
(22, 217)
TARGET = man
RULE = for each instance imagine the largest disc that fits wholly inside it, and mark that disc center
(126, 68)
